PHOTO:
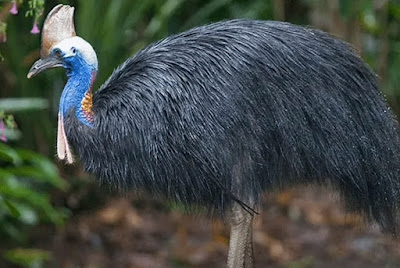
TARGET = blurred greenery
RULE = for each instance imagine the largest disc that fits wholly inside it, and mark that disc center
(25, 180)
(32, 258)
(22, 104)
(118, 29)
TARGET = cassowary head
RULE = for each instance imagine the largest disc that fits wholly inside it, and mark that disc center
(61, 47)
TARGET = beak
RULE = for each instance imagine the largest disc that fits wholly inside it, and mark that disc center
(52, 61)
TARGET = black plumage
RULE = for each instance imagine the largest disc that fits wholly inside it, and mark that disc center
(222, 113)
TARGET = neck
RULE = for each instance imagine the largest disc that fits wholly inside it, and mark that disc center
(77, 95)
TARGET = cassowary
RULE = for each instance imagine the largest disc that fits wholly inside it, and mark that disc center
(219, 114)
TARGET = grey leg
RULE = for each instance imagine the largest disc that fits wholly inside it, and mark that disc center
(241, 243)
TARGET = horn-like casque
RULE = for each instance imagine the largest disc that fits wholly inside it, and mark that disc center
(59, 25)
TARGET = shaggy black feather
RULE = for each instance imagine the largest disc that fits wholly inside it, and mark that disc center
(224, 112)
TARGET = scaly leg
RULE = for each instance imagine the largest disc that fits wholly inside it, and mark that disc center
(241, 243)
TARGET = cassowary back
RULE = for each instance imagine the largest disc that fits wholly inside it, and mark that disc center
(224, 112)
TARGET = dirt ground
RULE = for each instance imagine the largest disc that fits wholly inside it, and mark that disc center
(295, 229)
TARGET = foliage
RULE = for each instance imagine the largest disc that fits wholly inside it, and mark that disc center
(26, 178)
(32, 258)
(26, 181)
(35, 9)
(22, 104)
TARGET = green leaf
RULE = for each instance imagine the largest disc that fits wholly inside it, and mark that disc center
(27, 257)
(9, 154)
(13, 230)
(23, 104)
(38, 200)
(11, 208)
(42, 169)
(5, 176)
(159, 21)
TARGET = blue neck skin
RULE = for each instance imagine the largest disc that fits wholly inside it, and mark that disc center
(81, 75)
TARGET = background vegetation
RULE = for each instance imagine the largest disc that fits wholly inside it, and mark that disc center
(34, 188)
